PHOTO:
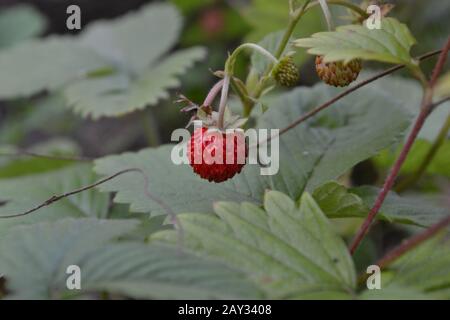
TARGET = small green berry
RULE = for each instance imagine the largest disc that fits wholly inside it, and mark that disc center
(286, 72)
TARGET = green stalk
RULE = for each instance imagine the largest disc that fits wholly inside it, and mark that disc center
(294, 18)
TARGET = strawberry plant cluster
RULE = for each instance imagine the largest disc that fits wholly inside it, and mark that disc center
(355, 119)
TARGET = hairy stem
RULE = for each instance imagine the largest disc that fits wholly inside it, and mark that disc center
(213, 93)
(440, 139)
(426, 107)
(243, 96)
(326, 14)
(223, 100)
(294, 18)
(229, 65)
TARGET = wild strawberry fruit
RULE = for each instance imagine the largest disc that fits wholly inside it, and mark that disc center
(286, 72)
(338, 74)
(215, 155)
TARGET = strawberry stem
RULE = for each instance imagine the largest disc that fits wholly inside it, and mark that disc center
(213, 93)
(229, 65)
(223, 100)
(326, 13)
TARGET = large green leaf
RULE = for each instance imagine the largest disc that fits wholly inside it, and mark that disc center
(338, 202)
(112, 68)
(310, 155)
(391, 43)
(409, 92)
(138, 39)
(405, 209)
(118, 94)
(19, 23)
(34, 260)
(23, 193)
(284, 246)
(37, 65)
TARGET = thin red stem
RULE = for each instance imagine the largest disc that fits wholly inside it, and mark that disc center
(412, 242)
(426, 107)
(390, 180)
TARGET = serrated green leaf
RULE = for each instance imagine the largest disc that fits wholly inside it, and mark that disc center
(310, 155)
(284, 247)
(23, 193)
(337, 202)
(38, 65)
(34, 260)
(391, 43)
(118, 94)
(112, 68)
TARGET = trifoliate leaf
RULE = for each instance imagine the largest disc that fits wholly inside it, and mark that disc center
(284, 247)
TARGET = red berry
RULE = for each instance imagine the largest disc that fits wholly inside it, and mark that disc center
(208, 152)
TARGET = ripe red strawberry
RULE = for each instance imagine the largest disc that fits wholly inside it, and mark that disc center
(208, 153)
(336, 73)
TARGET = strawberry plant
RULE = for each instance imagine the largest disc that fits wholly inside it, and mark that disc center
(316, 149)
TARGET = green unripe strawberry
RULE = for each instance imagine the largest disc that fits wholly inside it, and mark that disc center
(286, 72)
